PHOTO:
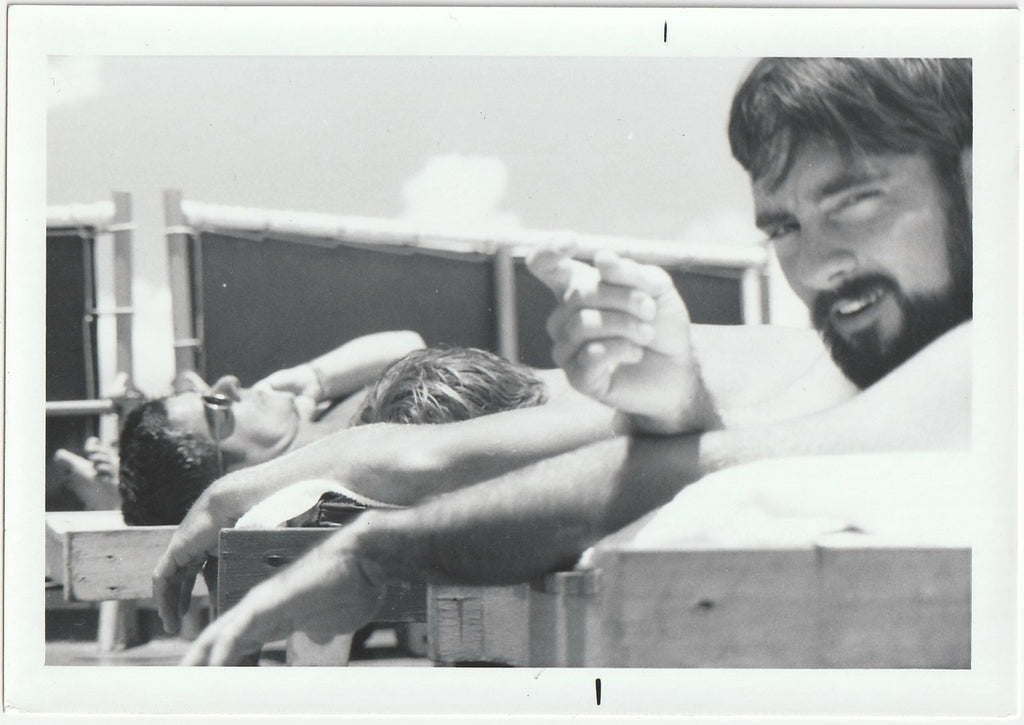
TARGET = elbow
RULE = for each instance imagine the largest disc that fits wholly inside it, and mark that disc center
(407, 341)
(408, 476)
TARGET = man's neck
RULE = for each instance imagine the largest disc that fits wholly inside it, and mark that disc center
(323, 422)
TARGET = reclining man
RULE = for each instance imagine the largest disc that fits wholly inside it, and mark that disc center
(861, 178)
(169, 455)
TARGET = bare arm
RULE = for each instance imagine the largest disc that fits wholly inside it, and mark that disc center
(347, 368)
(531, 521)
(397, 464)
(546, 515)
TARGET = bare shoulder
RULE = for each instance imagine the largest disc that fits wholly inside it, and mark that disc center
(765, 370)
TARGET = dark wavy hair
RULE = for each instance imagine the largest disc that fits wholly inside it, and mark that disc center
(868, 105)
(445, 385)
(162, 470)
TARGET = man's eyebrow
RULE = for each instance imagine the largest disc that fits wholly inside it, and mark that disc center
(849, 178)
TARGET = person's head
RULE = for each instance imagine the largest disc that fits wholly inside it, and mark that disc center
(861, 173)
(446, 385)
(169, 447)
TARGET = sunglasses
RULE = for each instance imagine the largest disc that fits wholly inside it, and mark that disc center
(220, 421)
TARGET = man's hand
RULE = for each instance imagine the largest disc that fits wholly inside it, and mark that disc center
(621, 333)
(195, 539)
(301, 380)
(325, 593)
(104, 459)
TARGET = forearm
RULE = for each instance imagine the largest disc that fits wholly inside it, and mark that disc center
(540, 518)
(531, 521)
(403, 464)
(359, 362)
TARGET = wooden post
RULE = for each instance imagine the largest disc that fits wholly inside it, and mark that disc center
(121, 228)
(505, 304)
(187, 338)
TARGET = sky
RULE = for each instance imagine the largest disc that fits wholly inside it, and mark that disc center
(621, 146)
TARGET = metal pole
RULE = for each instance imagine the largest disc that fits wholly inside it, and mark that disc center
(66, 408)
(505, 304)
(186, 338)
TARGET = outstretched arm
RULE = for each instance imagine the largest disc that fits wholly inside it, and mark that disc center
(396, 464)
(540, 518)
(347, 368)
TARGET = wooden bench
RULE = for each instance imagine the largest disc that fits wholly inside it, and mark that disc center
(249, 556)
(847, 602)
(95, 557)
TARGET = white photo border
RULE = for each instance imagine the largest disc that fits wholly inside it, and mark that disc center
(990, 37)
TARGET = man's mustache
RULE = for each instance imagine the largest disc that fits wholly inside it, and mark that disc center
(821, 310)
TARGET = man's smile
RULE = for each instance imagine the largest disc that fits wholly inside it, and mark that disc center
(850, 314)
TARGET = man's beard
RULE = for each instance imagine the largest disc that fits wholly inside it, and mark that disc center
(865, 358)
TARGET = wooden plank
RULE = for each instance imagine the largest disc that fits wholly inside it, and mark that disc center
(471, 625)
(709, 609)
(249, 556)
(896, 608)
(859, 604)
(98, 558)
(562, 606)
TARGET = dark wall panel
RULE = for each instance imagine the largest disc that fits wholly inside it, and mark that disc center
(273, 303)
(268, 304)
(66, 371)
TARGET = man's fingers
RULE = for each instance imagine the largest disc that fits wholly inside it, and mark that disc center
(647, 278)
(199, 653)
(552, 268)
(172, 587)
(562, 274)
(570, 331)
(166, 595)
(593, 368)
(614, 297)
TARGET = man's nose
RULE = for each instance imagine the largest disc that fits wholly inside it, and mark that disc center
(229, 386)
(823, 263)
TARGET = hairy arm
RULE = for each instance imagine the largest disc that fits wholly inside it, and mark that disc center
(397, 464)
(540, 518)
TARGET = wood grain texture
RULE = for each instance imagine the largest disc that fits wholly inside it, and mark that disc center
(851, 606)
(249, 556)
(98, 558)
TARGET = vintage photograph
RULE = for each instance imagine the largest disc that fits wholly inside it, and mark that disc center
(422, 346)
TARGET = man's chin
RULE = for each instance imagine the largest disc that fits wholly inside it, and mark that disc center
(864, 361)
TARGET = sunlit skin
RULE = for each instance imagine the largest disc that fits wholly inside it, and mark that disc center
(266, 422)
(855, 234)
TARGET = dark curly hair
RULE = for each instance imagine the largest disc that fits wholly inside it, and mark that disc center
(162, 470)
(870, 105)
(445, 385)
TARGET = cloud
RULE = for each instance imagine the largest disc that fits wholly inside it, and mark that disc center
(453, 190)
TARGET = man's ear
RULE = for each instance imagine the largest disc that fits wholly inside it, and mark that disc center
(967, 169)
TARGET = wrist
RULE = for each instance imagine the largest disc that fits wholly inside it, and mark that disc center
(694, 413)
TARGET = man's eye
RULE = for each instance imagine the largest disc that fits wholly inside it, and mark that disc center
(780, 231)
(859, 206)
